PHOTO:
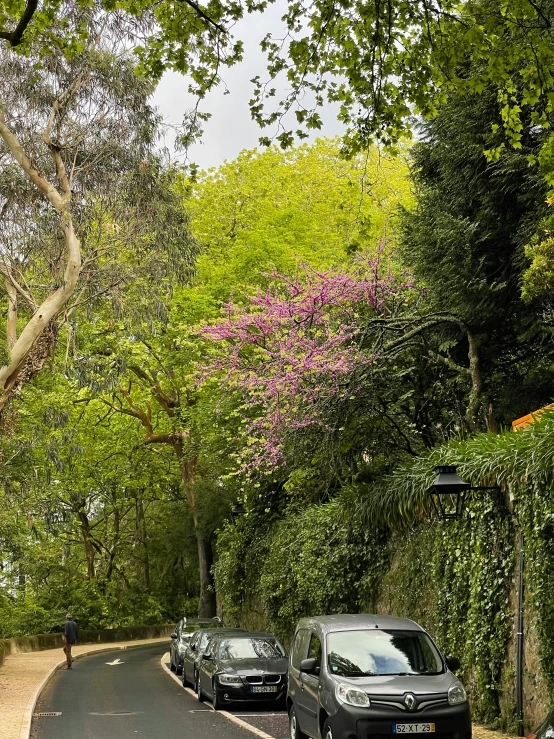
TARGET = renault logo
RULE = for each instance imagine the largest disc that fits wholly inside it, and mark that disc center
(410, 701)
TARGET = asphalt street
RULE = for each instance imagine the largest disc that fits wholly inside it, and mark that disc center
(135, 698)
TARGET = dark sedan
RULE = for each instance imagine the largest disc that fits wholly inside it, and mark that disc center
(196, 648)
(243, 668)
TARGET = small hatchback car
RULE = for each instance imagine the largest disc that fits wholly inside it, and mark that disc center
(372, 677)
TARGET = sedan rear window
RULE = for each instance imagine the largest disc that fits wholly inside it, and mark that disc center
(255, 648)
(380, 652)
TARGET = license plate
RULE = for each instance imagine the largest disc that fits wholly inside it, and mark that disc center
(264, 688)
(413, 728)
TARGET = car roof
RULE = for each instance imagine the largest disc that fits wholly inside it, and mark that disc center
(357, 621)
(238, 630)
(249, 635)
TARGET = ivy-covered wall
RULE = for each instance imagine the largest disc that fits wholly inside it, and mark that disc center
(459, 580)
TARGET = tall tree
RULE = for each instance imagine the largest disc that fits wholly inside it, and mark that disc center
(465, 242)
(76, 169)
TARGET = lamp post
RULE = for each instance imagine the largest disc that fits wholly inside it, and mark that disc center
(238, 511)
(448, 495)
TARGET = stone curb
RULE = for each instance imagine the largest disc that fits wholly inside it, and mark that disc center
(25, 732)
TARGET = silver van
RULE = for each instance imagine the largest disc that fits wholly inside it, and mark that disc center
(372, 677)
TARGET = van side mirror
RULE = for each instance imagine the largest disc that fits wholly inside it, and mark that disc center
(173, 636)
(309, 666)
(453, 663)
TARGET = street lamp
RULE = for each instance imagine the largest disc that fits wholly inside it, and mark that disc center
(238, 511)
(448, 494)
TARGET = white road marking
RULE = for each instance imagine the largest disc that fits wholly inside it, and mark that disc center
(246, 725)
(260, 715)
(115, 662)
(228, 716)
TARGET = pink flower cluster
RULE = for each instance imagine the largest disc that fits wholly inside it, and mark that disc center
(293, 346)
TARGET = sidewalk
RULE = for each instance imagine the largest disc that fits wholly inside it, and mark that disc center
(23, 674)
(480, 732)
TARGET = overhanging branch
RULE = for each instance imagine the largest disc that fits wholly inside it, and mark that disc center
(203, 15)
(15, 37)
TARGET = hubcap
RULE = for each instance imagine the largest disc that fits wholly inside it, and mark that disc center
(328, 733)
(293, 727)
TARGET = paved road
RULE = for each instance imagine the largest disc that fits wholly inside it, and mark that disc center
(135, 699)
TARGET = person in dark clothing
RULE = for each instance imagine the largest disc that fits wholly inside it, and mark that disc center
(71, 634)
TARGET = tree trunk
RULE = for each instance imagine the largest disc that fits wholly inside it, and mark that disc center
(475, 400)
(207, 602)
(141, 532)
(55, 302)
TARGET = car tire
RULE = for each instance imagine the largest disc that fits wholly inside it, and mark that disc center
(198, 691)
(179, 669)
(171, 665)
(185, 681)
(294, 729)
(216, 703)
(327, 731)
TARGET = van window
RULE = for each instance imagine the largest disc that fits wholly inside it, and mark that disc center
(382, 652)
(299, 648)
(315, 649)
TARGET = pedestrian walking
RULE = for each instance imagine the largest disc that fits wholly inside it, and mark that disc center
(71, 634)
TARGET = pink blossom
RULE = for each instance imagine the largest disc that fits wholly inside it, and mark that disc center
(293, 346)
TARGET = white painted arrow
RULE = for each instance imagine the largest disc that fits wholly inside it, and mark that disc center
(116, 662)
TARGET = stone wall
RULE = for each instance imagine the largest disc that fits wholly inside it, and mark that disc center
(92, 636)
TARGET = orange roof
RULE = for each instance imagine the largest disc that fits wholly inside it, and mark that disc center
(521, 423)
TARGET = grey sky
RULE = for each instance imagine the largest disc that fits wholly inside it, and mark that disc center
(230, 129)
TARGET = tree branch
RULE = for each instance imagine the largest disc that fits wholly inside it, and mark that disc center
(203, 15)
(11, 323)
(15, 37)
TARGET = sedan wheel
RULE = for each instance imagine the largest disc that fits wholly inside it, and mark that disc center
(199, 689)
(179, 669)
(185, 681)
(327, 731)
(216, 702)
(171, 665)
(295, 732)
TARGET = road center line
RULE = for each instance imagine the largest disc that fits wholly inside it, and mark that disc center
(228, 716)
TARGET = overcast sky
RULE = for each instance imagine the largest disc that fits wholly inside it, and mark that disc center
(231, 129)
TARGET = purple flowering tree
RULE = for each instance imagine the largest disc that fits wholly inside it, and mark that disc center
(292, 348)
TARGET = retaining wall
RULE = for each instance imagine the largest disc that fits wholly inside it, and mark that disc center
(90, 636)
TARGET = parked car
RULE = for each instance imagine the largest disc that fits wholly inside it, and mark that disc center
(372, 676)
(546, 729)
(196, 648)
(243, 668)
(179, 640)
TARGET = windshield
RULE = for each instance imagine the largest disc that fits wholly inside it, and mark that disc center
(377, 652)
(258, 648)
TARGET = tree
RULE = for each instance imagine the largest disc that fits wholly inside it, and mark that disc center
(299, 343)
(77, 164)
(465, 241)
(272, 209)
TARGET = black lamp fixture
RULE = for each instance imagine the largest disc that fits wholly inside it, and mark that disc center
(448, 493)
(238, 511)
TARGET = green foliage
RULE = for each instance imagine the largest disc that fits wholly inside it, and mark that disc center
(455, 580)
(315, 561)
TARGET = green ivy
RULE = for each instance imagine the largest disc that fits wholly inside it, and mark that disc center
(455, 580)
